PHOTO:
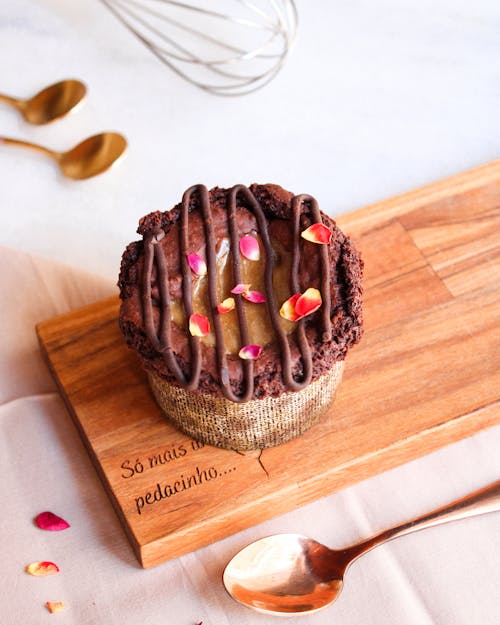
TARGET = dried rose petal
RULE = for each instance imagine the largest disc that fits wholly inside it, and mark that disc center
(239, 289)
(250, 352)
(199, 325)
(54, 606)
(226, 306)
(256, 297)
(287, 310)
(249, 247)
(317, 233)
(197, 264)
(308, 302)
(51, 522)
(42, 569)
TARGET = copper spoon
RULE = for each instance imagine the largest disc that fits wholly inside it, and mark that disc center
(51, 103)
(89, 158)
(286, 574)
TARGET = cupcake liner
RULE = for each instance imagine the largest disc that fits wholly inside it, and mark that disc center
(255, 424)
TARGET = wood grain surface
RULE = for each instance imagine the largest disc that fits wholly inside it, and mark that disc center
(427, 373)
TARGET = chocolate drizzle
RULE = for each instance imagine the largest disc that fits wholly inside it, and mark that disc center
(162, 342)
(297, 203)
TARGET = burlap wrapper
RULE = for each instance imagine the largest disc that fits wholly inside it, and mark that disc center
(256, 424)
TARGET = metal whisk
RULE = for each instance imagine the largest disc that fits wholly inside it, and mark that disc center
(228, 47)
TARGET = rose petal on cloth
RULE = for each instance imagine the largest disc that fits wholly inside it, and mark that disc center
(197, 264)
(250, 352)
(226, 306)
(249, 247)
(54, 606)
(256, 297)
(199, 325)
(308, 302)
(239, 289)
(317, 233)
(42, 569)
(51, 522)
(287, 310)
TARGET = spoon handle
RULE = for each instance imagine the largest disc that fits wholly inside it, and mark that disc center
(26, 144)
(15, 102)
(480, 502)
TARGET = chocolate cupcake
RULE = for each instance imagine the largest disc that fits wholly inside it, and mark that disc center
(241, 304)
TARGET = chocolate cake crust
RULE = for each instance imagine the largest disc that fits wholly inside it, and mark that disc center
(345, 267)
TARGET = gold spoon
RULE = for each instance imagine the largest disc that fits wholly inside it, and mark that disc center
(89, 158)
(288, 574)
(51, 103)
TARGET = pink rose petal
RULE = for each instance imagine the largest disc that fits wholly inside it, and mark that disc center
(250, 352)
(197, 264)
(299, 305)
(42, 569)
(199, 325)
(249, 247)
(317, 233)
(54, 606)
(226, 306)
(239, 289)
(287, 310)
(51, 522)
(308, 302)
(256, 297)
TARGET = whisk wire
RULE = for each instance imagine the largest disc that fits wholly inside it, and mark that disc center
(211, 13)
(163, 56)
(191, 57)
(155, 29)
(241, 53)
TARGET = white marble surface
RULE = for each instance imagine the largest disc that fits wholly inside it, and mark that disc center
(377, 98)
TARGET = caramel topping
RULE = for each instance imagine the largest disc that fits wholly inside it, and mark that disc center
(260, 328)
(249, 323)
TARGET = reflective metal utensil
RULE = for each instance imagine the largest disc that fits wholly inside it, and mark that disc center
(225, 47)
(289, 574)
(51, 103)
(89, 158)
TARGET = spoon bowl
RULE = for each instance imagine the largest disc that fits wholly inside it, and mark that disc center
(284, 574)
(89, 158)
(51, 103)
(93, 155)
(287, 574)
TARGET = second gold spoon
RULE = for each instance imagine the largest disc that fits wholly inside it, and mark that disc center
(51, 103)
(89, 158)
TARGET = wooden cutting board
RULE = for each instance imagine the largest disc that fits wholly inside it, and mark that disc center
(427, 373)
